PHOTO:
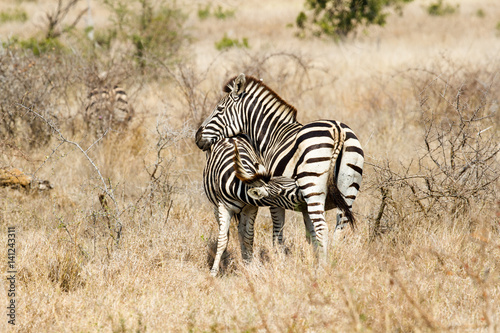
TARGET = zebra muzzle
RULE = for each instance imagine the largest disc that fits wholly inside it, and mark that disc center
(203, 144)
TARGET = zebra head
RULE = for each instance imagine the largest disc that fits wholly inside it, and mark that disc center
(276, 187)
(260, 183)
(223, 122)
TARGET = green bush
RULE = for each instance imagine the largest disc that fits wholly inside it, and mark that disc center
(13, 15)
(222, 14)
(219, 12)
(439, 8)
(226, 43)
(204, 13)
(37, 46)
(338, 18)
(104, 38)
(155, 31)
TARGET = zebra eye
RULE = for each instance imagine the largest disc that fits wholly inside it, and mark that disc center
(220, 107)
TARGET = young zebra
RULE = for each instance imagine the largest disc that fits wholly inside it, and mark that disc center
(236, 183)
(107, 109)
(324, 157)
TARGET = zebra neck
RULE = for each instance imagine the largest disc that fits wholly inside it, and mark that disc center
(269, 140)
(267, 119)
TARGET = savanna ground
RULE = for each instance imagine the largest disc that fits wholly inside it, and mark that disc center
(422, 94)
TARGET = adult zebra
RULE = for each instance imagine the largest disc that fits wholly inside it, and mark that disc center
(236, 183)
(324, 157)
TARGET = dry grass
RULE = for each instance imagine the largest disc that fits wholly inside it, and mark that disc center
(425, 273)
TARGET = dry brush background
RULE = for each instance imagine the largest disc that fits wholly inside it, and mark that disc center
(422, 93)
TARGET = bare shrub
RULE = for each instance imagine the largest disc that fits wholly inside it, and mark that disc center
(456, 167)
(56, 18)
(189, 83)
(104, 186)
(160, 187)
(35, 82)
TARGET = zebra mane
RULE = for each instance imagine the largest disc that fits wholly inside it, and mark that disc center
(257, 179)
(251, 81)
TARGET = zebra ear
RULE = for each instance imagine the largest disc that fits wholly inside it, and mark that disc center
(258, 193)
(239, 84)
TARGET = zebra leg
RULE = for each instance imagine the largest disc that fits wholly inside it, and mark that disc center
(310, 233)
(224, 218)
(313, 183)
(315, 197)
(317, 216)
(247, 219)
(340, 227)
(278, 217)
(241, 231)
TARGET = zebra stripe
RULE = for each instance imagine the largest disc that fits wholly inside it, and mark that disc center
(324, 157)
(107, 109)
(236, 183)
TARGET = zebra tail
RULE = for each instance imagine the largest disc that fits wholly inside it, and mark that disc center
(338, 200)
(336, 195)
(259, 178)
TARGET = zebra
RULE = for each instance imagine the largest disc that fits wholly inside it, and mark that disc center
(236, 183)
(324, 157)
(107, 108)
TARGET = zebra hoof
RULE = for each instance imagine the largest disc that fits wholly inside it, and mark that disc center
(340, 233)
(247, 257)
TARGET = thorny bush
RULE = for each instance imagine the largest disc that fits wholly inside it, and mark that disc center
(30, 82)
(456, 166)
